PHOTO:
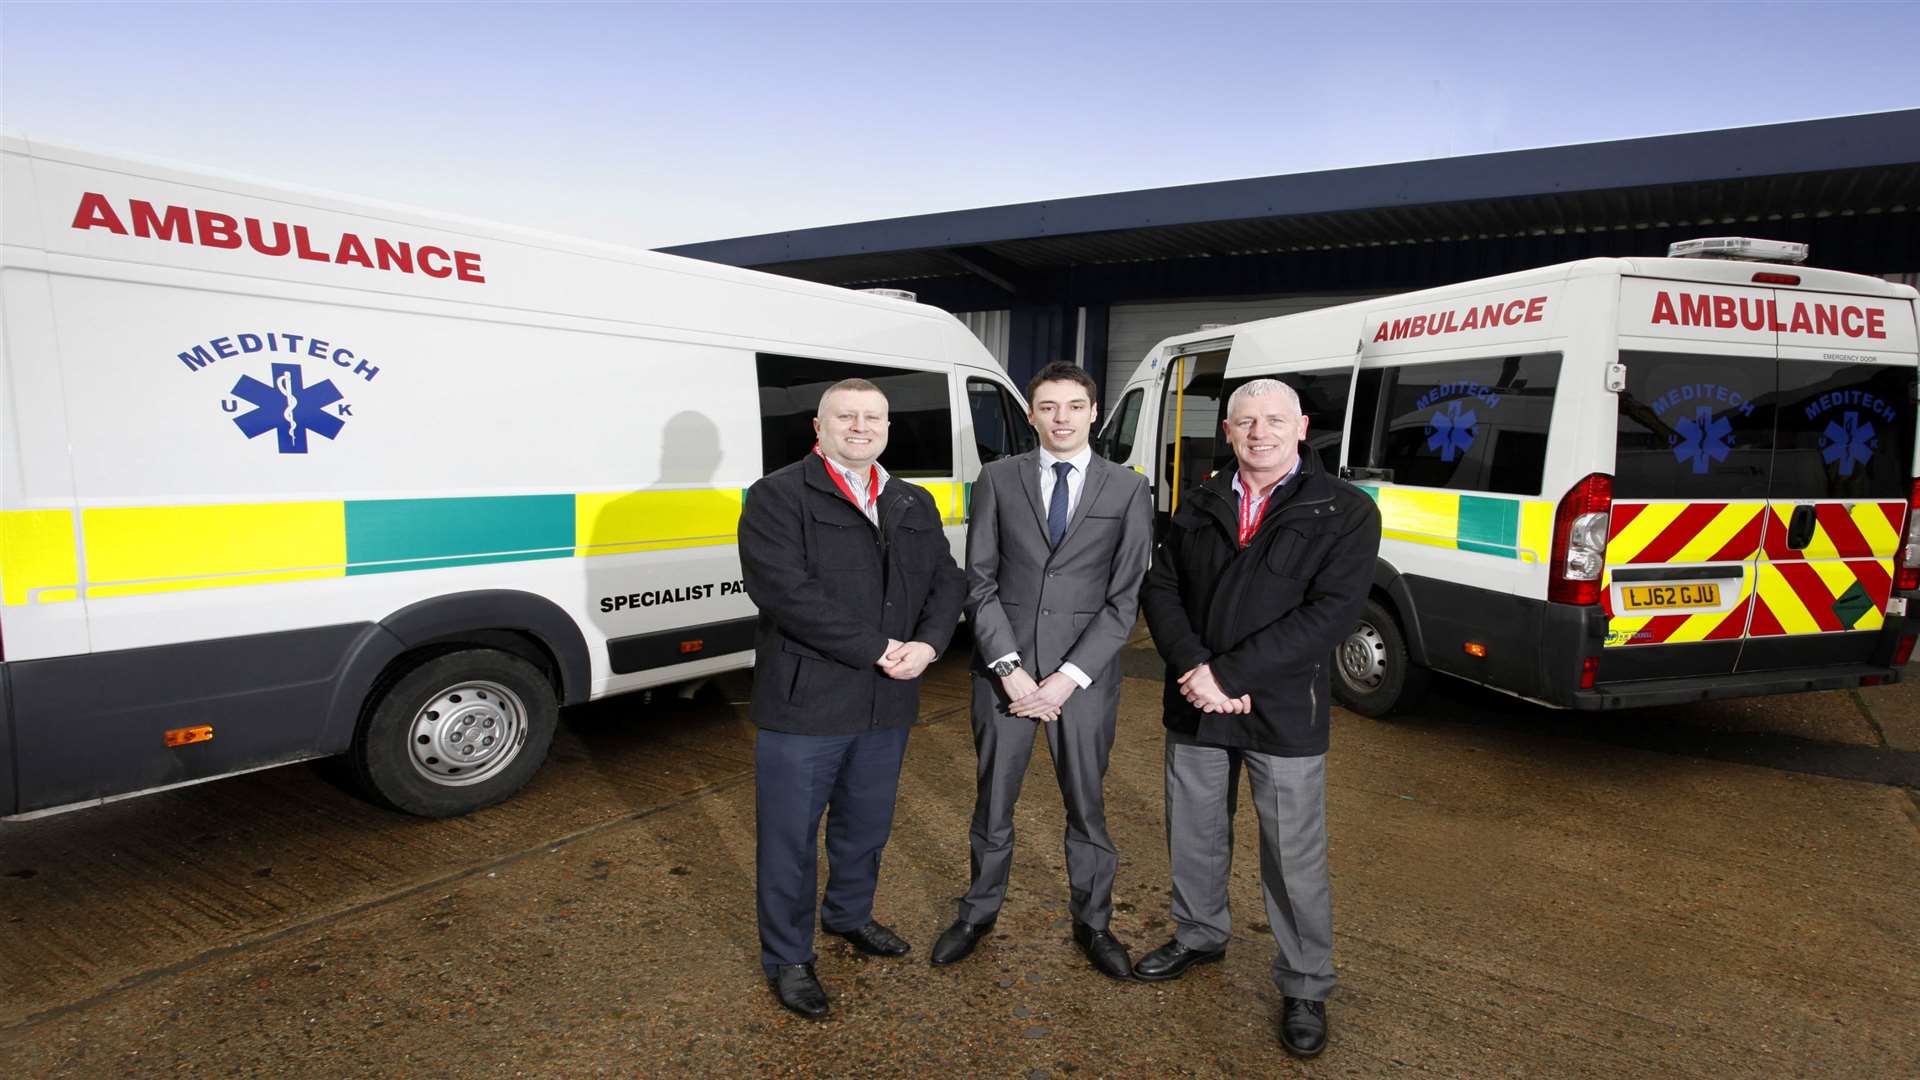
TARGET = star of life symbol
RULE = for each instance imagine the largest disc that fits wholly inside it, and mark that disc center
(287, 408)
(1704, 438)
(1451, 431)
(1848, 442)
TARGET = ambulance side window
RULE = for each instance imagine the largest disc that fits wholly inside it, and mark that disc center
(919, 407)
(1694, 427)
(1465, 425)
(1323, 401)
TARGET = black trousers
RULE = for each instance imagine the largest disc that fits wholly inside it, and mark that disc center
(852, 779)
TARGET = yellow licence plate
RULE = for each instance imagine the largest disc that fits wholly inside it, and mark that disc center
(1670, 596)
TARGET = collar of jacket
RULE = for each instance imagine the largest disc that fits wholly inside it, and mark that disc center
(1215, 497)
(892, 495)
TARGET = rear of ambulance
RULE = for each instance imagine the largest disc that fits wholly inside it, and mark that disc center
(1762, 521)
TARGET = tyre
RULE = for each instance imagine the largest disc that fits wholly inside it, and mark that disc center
(1372, 673)
(454, 733)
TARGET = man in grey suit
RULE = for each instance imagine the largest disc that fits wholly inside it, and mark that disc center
(1057, 542)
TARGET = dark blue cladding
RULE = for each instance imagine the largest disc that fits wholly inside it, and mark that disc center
(86, 727)
(7, 781)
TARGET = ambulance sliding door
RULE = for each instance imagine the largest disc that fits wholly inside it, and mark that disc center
(1842, 461)
(1189, 424)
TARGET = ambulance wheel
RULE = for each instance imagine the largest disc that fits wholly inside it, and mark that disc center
(456, 732)
(1372, 673)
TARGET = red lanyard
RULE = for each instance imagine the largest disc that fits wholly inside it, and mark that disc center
(1250, 518)
(873, 481)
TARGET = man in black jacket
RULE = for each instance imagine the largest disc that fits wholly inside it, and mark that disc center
(1263, 570)
(858, 592)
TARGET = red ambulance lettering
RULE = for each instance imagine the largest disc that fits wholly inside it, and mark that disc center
(217, 229)
(1715, 312)
(161, 226)
(1460, 320)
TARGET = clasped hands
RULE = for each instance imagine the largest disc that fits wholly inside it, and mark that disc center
(1037, 701)
(905, 659)
(1203, 692)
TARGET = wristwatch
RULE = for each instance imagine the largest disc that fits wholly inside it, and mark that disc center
(1004, 668)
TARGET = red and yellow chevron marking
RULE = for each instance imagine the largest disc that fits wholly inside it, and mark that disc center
(1840, 581)
(1865, 530)
(1683, 533)
(1680, 532)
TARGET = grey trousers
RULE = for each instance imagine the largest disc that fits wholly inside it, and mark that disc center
(1203, 785)
(1079, 743)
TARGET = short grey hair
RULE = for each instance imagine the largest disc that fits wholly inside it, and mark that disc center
(1261, 388)
(862, 385)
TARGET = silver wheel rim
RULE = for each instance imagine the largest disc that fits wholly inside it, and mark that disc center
(467, 733)
(1363, 659)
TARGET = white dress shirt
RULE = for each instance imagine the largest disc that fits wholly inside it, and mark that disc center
(1076, 483)
(857, 483)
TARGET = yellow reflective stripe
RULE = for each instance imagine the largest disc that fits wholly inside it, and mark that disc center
(1420, 517)
(1536, 532)
(38, 563)
(616, 522)
(951, 497)
(148, 549)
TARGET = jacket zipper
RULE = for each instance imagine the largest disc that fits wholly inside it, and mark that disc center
(1313, 696)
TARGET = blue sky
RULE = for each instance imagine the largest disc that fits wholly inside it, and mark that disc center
(653, 124)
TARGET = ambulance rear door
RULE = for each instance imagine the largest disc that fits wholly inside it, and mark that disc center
(1764, 449)
(1693, 460)
(1842, 469)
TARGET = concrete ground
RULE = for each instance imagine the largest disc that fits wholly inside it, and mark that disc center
(1728, 890)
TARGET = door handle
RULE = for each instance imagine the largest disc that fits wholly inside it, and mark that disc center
(1800, 527)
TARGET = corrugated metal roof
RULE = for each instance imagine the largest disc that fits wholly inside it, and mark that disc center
(1847, 166)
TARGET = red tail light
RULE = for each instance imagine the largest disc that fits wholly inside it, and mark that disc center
(1580, 541)
(1589, 669)
(1768, 277)
(1903, 652)
(1906, 561)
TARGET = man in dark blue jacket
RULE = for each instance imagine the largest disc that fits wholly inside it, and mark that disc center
(858, 592)
(1262, 571)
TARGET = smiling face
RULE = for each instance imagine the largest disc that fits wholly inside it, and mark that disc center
(1265, 433)
(1063, 413)
(852, 426)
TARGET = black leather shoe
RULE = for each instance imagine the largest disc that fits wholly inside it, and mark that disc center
(956, 942)
(798, 989)
(876, 940)
(1104, 950)
(1170, 961)
(1303, 1027)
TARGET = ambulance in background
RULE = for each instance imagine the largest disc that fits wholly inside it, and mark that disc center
(285, 476)
(1609, 483)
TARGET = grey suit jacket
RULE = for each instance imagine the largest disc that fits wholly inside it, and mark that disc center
(1076, 604)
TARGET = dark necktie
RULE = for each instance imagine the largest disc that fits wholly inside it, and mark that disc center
(1057, 507)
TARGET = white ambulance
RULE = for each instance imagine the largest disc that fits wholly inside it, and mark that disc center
(285, 476)
(1609, 483)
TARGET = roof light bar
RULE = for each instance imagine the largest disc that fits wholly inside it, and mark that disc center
(1744, 248)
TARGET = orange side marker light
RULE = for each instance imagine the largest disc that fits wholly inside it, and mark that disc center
(186, 736)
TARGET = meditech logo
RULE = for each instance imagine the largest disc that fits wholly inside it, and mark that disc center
(1850, 438)
(286, 402)
(1700, 434)
(1454, 425)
